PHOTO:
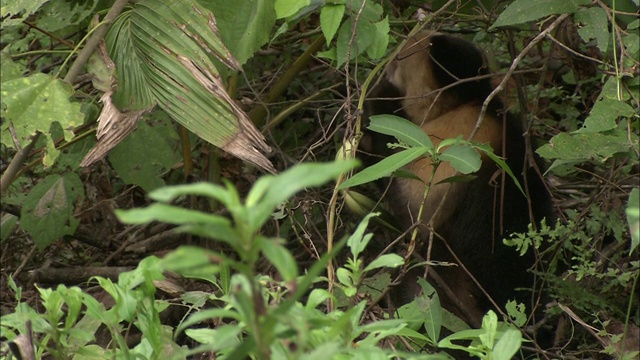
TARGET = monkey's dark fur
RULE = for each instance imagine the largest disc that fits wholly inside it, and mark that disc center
(470, 220)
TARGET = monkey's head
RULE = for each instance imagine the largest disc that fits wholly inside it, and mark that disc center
(430, 61)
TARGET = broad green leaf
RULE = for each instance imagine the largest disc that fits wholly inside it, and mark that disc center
(391, 261)
(585, 146)
(245, 25)
(10, 70)
(330, 19)
(633, 218)
(508, 344)
(424, 310)
(400, 128)
(523, 11)
(48, 211)
(279, 257)
(463, 158)
(146, 154)
(32, 105)
(56, 15)
(378, 47)
(15, 11)
(604, 116)
(286, 8)
(592, 23)
(385, 167)
(517, 312)
(349, 45)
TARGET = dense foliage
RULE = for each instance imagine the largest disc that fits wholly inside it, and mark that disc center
(153, 239)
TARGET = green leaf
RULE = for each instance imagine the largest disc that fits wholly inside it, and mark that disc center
(286, 8)
(463, 158)
(523, 11)
(14, 12)
(279, 257)
(490, 327)
(10, 70)
(32, 105)
(633, 218)
(592, 23)
(604, 114)
(168, 214)
(57, 15)
(517, 312)
(391, 261)
(585, 146)
(330, 19)
(288, 183)
(349, 45)
(245, 25)
(8, 224)
(193, 262)
(427, 307)
(357, 242)
(400, 128)
(378, 47)
(220, 338)
(508, 344)
(162, 50)
(48, 210)
(385, 167)
(146, 154)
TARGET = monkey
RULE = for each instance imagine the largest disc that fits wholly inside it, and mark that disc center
(440, 82)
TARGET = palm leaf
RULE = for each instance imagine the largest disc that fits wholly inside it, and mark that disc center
(164, 52)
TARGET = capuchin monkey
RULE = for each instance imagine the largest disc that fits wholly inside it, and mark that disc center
(439, 82)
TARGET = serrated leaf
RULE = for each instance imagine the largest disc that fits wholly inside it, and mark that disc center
(592, 24)
(385, 167)
(48, 210)
(31, 104)
(604, 116)
(523, 11)
(57, 15)
(463, 158)
(378, 47)
(16, 11)
(330, 19)
(349, 45)
(400, 128)
(585, 146)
